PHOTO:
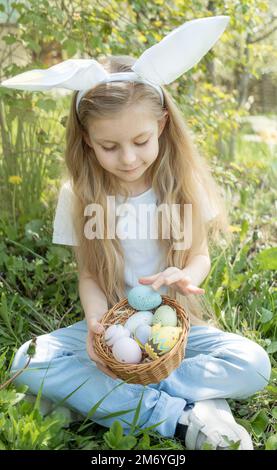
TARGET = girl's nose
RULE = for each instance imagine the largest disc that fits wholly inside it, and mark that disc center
(128, 158)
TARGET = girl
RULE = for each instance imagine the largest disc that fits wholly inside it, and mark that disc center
(122, 141)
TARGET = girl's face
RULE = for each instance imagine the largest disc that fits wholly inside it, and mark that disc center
(128, 144)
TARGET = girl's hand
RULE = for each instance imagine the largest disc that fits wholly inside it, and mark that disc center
(94, 327)
(173, 277)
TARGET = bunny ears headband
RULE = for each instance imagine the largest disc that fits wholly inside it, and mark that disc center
(160, 64)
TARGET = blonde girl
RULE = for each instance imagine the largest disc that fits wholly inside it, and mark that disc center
(121, 141)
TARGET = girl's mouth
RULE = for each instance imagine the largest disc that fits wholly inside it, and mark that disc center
(130, 171)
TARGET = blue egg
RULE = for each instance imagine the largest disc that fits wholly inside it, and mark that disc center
(144, 298)
(142, 334)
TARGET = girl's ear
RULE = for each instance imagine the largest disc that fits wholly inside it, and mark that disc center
(86, 138)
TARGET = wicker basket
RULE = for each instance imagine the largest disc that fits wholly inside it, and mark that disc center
(148, 370)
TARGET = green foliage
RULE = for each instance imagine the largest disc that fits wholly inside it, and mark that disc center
(23, 427)
(240, 285)
(210, 95)
(267, 259)
(40, 291)
(115, 440)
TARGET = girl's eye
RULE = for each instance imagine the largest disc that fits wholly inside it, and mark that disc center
(113, 148)
(143, 143)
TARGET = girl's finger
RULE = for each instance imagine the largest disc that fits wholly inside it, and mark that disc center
(177, 277)
(98, 329)
(159, 282)
(194, 289)
(149, 279)
(170, 274)
(95, 326)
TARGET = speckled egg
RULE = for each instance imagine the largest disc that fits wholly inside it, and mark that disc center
(165, 315)
(144, 298)
(114, 332)
(127, 350)
(139, 318)
(142, 334)
(162, 340)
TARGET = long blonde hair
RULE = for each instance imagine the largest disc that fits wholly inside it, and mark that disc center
(173, 175)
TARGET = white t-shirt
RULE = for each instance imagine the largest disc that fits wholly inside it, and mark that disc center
(143, 256)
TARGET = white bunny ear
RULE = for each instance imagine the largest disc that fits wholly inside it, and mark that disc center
(74, 74)
(180, 50)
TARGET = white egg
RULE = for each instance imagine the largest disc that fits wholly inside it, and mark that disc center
(114, 332)
(138, 318)
(127, 350)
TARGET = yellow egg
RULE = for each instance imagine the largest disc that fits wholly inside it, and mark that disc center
(162, 340)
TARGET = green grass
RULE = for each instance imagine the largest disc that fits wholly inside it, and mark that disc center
(39, 294)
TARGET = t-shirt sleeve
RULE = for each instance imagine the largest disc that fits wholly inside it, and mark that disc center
(63, 229)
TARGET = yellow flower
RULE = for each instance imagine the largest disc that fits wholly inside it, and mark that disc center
(141, 37)
(15, 179)
(234, 228)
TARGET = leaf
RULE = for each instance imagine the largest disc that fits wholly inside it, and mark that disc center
(144, 442)
(266, 315)
(272, 348)
(137, 413)
(9, 39)
(272, 389)
(96, 406)
(245, 423)
(61, 414)
(117, 413)
(2, 446)
(32, 44)
(207, 446)
(32, 229)
(70, 46)
(237, 281)
(127, 443)
(244, 229)
(271, 443)
(58, 253)
(259, 422)
(267, 259)
(115, 440)
(4, 312)
(46, 104)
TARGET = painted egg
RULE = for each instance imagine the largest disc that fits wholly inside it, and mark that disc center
(144, 298)
(142, 334)
(162, 340)
(127, 350)
(165, 315)
(138, 318)
(114, 332)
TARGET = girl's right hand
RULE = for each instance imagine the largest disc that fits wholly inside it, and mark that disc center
(94, 327)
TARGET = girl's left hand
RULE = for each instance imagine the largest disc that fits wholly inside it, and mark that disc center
(173, 277)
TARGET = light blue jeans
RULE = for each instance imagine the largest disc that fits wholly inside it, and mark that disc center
(217, 364)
